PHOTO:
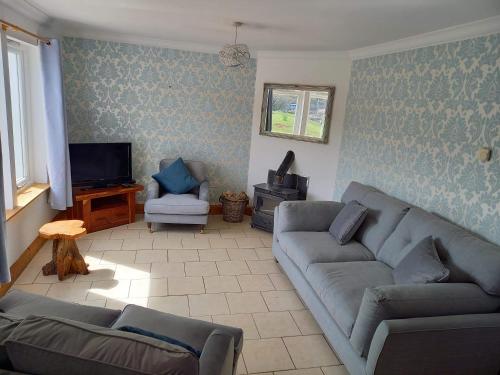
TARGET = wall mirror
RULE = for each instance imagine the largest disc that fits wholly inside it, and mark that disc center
(300, 112)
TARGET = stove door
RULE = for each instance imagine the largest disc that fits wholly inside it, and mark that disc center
(265, 203)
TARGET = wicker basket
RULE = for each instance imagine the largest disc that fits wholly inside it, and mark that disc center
(233, 211)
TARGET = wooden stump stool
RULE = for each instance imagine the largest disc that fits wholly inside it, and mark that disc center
(66, 258)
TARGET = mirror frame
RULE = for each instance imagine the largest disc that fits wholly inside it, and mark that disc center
(328, 111)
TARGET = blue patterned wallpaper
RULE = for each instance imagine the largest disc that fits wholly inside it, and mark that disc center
(414, 122)
(167, 102)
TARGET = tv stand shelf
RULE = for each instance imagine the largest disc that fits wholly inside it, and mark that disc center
(104, 207)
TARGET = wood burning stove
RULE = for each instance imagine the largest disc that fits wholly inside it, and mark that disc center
(279, 187)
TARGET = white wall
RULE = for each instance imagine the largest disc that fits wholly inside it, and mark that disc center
(317, 161)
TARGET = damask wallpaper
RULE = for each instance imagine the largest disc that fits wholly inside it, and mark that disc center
(167, 102)
(414, 122)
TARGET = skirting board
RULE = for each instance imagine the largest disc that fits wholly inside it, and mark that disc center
(215, 209)
(22, 262)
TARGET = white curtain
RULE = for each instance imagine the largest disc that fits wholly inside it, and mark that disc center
(58, 165)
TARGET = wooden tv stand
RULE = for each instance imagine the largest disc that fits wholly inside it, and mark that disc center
(105, 207)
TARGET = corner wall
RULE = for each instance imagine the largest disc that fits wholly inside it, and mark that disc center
(317, 161)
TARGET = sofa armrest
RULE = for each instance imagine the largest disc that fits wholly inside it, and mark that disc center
(153, 190)
(217, 356)
(307, 216)
(457, 344)
(203, 195)
(415, 301)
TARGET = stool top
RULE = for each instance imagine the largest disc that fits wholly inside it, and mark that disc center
(63, 229)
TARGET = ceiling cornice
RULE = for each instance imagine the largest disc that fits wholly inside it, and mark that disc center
(27, 10)
(305, 55)
(451, 34)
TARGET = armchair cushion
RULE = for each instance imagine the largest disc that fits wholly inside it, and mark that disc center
(176, 178)
(177, 204)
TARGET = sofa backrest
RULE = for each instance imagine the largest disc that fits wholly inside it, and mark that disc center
(469, 258)
(384, 214)
(196, 168)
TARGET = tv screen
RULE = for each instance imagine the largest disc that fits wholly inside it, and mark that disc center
(100, 164)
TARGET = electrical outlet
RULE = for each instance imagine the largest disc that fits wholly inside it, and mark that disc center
(484, 154)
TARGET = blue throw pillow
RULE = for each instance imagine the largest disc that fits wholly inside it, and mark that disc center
(176, 178)
(170, 340)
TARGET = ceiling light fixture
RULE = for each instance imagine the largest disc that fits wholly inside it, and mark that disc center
(234, 55)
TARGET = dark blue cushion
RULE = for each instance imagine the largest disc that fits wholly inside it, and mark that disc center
(170, 340)
(176, 178)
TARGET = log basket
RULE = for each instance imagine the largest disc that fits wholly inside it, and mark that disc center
(233, 210)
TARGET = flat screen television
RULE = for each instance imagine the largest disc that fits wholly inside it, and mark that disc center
(100, 164)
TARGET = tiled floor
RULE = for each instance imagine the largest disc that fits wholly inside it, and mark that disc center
(226, 275)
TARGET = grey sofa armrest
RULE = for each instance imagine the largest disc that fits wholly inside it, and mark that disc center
(217, 356)
(414, 301)
(458, 344)
(203, 195)
(307, 216)
(153, 190)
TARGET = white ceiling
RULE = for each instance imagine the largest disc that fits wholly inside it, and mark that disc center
(270, 24)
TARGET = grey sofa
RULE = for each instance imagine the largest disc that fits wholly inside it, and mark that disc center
(33, 341)
(189, 208)
(375, 326)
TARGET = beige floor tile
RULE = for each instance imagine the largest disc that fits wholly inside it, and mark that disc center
(133, 271)
(119, 304)
(262, 267)
(177, 305)
(151, 256)
(187, 233)
(307, 371)
(148, 288)
(50, 279)
(233, 267)
(266, 355)
(246, 302)
(154, 235)
(249, 242)
(282, 300)
(137, 243)
(221, 284)
(109, 289)
(69, 291)
(167, 243)
(122, 234)
(335, 370)
(29, 274)
(255, 232)
(93, 302)
(242, 254)
(101, 235)
(268, 242)
(93, 257)
(310, 351)
(167, 270)
(243, 321)
(196, 243)
(98, 272)
(208, 304)
(137, 225)
(240, 367)
(183, 256)
(306, 323)
(281, 282)
(102, 244)
(36, 288)
(83, 244)
(255, 283)
(265, 253)
(201, 269)
(275, 324)
(208, 233)
(213, 255)
(115, 257)
(186, 285)
(231, 233)
(222, 243)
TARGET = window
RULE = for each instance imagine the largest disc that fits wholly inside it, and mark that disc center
(297, 112)
(19, 118)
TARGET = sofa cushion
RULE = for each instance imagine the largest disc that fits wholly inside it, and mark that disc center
(469, 258)
(421, 265)
(305, 248)
(384, 214)
(347, 222)
(47, 345)
(22, 304)
(7, 325)
(340, 286)
(177, 204)
(176, 178)
(190, 331)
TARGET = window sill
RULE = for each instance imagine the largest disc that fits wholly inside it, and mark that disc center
(25, 197)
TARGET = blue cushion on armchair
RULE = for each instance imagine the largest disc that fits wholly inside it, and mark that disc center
(176, 178)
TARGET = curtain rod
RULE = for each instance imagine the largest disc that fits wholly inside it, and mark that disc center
(7, 25)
